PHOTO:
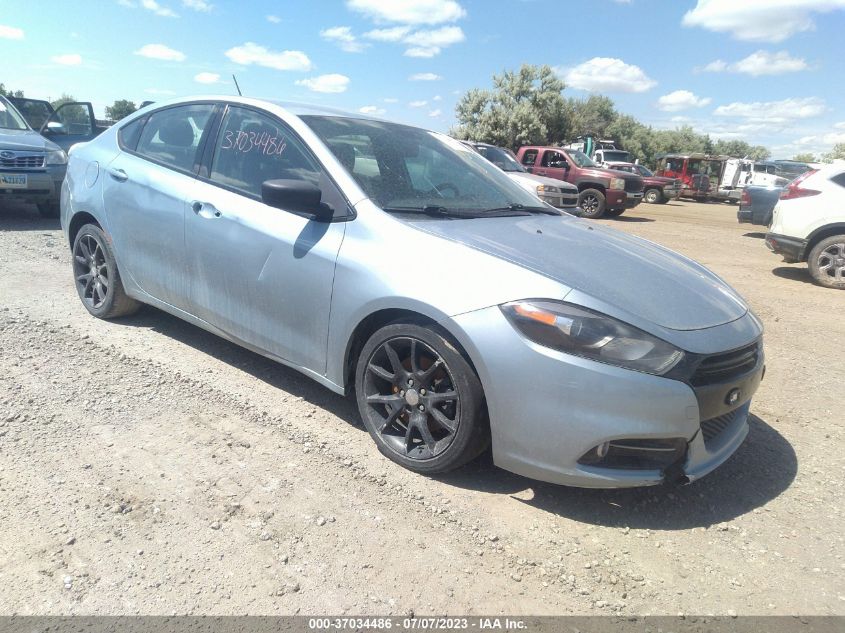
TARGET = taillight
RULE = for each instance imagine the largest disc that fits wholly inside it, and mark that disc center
(745, 199)
(795, 190)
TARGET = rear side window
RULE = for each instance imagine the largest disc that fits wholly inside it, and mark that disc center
(253, 147)
(172, 136)
(529, 157)
(128, 135)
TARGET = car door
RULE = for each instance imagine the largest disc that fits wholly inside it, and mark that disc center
(71, 123)
(553, 164)
(36, 111)
(145, 189)
(261, 274)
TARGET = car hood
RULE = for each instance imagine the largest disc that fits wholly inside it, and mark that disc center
(634, 275)
(533, 180)
(25, 141)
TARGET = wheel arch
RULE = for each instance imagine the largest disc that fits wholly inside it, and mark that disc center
(77, 221)
(591, 185)
(823, 232)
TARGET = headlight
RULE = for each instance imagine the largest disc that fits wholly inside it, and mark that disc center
(617, 183)
(547, 189)
(574, 330)
(56, 157)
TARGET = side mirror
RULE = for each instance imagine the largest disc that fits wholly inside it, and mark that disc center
(296, 196)
(55, 127)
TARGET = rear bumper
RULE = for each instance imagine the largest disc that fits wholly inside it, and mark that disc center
(792, 249)
(744, 216)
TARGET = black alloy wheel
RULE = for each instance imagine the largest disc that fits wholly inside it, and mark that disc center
(91, 271)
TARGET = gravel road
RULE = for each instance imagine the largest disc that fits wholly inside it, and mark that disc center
(148, 467)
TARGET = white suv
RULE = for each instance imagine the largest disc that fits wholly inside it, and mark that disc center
(809, 224)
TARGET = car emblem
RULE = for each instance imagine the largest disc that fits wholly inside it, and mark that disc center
(7, 154)
(733, 396)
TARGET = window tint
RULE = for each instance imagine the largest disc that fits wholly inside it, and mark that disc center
(253, 147)
(529, 157)
(172, 136)
(127, 136)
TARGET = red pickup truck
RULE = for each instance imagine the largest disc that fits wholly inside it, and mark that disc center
(600, 191)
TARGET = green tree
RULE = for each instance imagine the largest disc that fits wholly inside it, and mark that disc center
(837, 153)
(524, 107)
(71, 114)
(8, 92)
(805, 157)
(740, 149)
(593, 115)
(120, 109)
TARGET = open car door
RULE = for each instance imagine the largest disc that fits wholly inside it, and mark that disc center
(35, 111)
(66, 125)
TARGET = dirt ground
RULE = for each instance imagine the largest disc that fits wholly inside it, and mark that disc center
(148, 467)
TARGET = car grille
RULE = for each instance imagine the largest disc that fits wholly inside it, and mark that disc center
(633, 186)
(569, 199)
(711, 429)
(724, 367)
(23, 161)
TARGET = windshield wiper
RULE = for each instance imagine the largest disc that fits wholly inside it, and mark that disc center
(522, 209)
(429, 209)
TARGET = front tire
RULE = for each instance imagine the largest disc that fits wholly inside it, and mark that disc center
(826, 262)
(96, 276)
(653, 196)
(420, 399)
(592, 202)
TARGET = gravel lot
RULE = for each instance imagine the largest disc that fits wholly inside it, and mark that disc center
(149, 467)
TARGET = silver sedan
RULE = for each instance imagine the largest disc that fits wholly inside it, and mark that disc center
(398, 264)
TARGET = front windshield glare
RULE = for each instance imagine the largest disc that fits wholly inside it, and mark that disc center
(581, 159)
(9, 117)
(402, 167)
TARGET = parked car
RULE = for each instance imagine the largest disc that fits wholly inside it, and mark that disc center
(757, 204)
(698, 173)
(600, 191)
(70, 123)
(31, 167)
(557, 193)
(657, 189)
(808, 224)
(398, 264)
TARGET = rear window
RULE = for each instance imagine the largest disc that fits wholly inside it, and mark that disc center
(128, 135)
(529, 157)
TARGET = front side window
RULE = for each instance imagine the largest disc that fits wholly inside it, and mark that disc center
(252, 147)
(408, 169)
(554, 159)
(645, 171)
(172, 136)
(529, 157)
(9, 117)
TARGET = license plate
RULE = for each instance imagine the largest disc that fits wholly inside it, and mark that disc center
(12, 181)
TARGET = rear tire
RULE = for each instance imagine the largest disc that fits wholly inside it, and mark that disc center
(653, 196)
(96, 276)
(826, 262)
(420, 399)
(48, 209)
(592, 203)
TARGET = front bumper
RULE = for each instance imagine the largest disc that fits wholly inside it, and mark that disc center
(548, 409)
(792, 249)
(41, 186)
(671, 193)
(633, 199)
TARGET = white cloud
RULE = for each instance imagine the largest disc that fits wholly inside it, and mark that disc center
(198, 5)
(435, 113)
(608, 74)
(391, 100)
(372, 110)
(10, 32)
(760, 63)
(840, 125)
(332, 83)
(393, 34)
(409, 11)
(774, 111)
(251, 53)
(437, 98)
(425, 77)
(834, 138)
(207, 78)
(274, 19)
(759, 20)
(71, 59)
(681, 100)
(155, 7)
(418, 104)
(343, 37)
(432, 42)
(160, 51)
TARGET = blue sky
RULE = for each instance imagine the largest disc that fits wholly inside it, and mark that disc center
(767, 71)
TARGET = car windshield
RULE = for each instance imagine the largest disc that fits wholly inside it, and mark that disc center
(645, 171)
(9, 117)
(408, 169)
(580, 158)
(501, 158)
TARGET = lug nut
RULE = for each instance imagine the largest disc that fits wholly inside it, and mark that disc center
(422, 408)
(402, 392)
(410, 382)
(422, 392)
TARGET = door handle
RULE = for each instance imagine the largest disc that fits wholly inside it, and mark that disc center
(205, 210)
(119, 175)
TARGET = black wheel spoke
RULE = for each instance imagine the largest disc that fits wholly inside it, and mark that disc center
(421, 423)
(393, 357)
(442, 420)
(83, 246)
(381, 372)
(428, 373)
(414, 367)
(390, 419)
(433, 398)
(390, 399)
(86, 279)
